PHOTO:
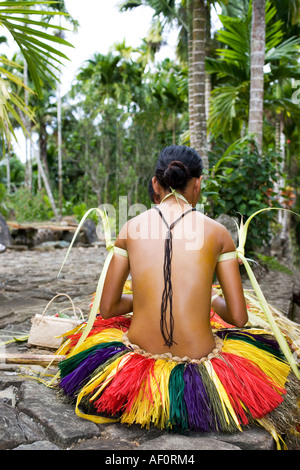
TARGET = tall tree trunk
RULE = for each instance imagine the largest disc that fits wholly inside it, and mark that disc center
(86, 163)
(28, 163)
(174, 128)
(117, 182)
(106, 181)
(208, 84)
(47, 185)
(199, 116)
(43, 146)
(59, 135)
(283, 216)
(8, 178)
(59, 149)
(190, 70)
(257, 71)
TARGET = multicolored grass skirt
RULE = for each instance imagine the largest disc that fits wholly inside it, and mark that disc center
(245, 380)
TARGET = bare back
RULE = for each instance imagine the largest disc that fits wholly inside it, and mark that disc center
(197, 243)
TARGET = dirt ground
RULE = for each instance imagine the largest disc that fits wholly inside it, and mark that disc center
(28, 280)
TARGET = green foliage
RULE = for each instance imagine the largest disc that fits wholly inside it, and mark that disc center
(28, 207)
(272, 263)
(25, 21)
(236, 187)
(17, 172)
(79, 211)
(3, 205)
(230, 70)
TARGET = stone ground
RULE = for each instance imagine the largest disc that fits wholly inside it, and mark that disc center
(32, 416)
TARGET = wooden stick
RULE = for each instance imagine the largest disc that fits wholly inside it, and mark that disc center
(38, 359)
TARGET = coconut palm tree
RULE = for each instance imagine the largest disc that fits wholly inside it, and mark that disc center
(197, 92)
(110, 86)
(231, 69)
(167, 87)
(190, 16)
(258, 41)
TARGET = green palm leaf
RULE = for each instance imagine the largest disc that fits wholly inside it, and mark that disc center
(34, 43)
(40, 51)
(242, 231)
(226, 69)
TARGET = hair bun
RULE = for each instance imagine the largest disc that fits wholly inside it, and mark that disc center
(176, 175)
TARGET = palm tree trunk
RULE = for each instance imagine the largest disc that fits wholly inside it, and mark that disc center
(28, 163)
(208, 83)
(8, 178)
(107, 173)
(257, 71)
(117, 181)
(190, 69)
(43, 146)
(199, 116)
(283, 216)
(59, 149)
(59, 135)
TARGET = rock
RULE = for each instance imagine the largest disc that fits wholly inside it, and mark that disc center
(104, 444)
(39, 445)
(229, 223)
(69, 220)
(32, 430)
(48, 246)
(172, 442)
(11, 434)
(5, 237)
(59, 420)
(18, 247)
(51, 245)
(118, 431)
(8, 396)
(88, 233)
(40, 420)
(43, 235)
(251, 438)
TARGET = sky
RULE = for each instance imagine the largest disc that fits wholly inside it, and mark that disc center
(101, 26)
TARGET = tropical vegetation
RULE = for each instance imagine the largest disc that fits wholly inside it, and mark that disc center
(232, 97)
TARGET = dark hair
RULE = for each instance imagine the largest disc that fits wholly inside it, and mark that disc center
(151, 190)
(176, 165)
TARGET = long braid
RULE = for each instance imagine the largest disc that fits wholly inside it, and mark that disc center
(167, 296)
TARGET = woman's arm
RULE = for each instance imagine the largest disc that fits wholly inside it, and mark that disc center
(113, 301)
(232, 309)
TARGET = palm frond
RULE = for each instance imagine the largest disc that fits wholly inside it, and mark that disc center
(39, 49)
(261, 298)
(225, 105)
(34, 43)
(224, 69)
(288, 50)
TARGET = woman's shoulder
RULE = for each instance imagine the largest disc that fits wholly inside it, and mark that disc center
(135, 225)
(219, 233)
